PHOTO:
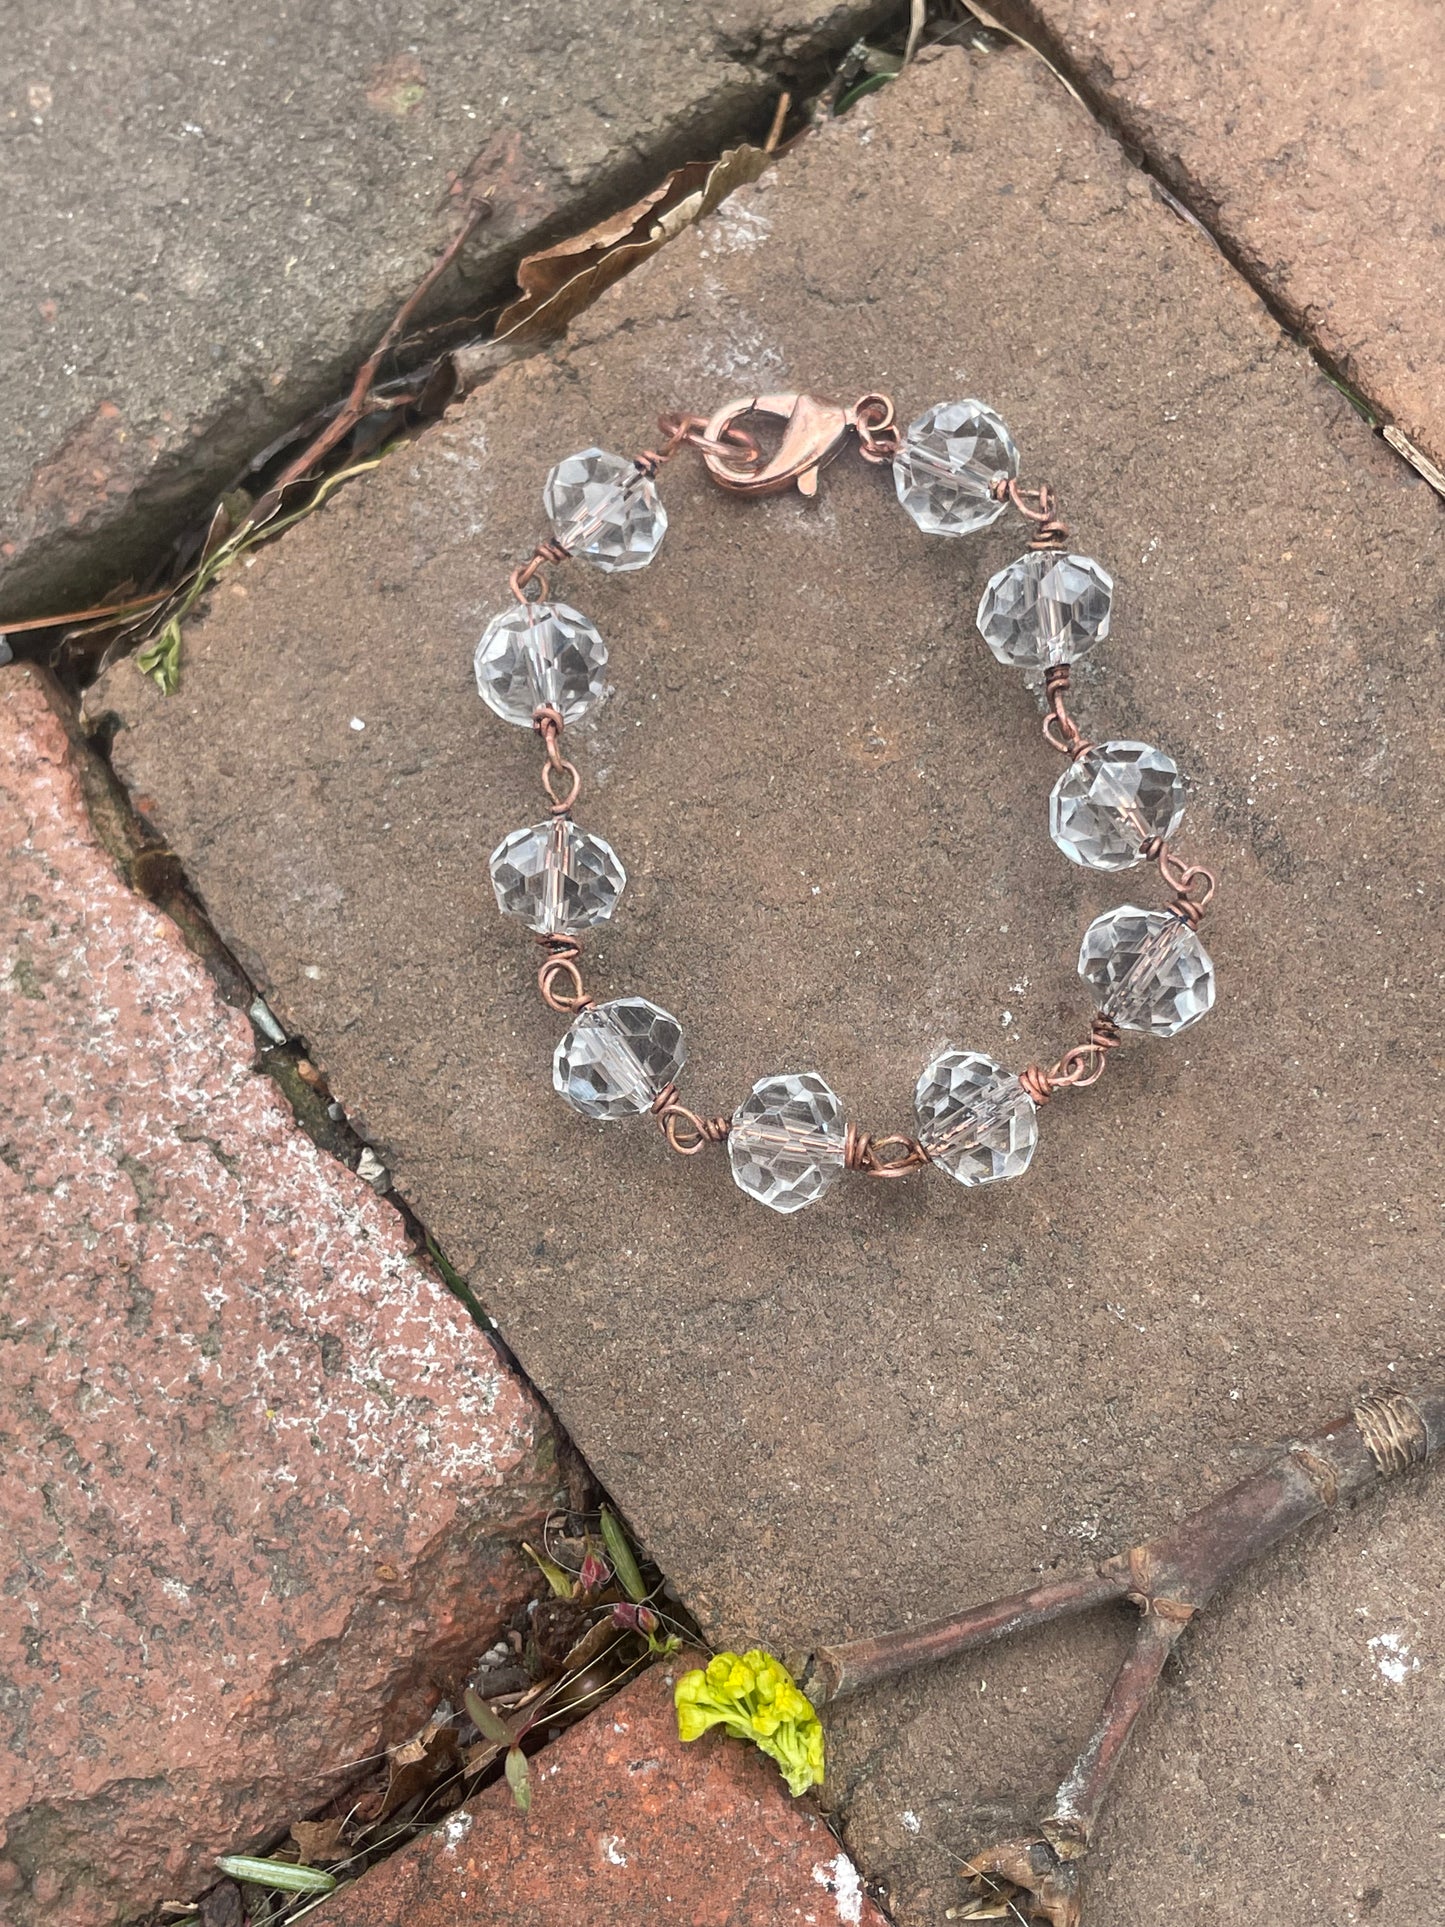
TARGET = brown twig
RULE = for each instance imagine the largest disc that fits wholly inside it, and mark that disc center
(360, 402)
(1168, 1580)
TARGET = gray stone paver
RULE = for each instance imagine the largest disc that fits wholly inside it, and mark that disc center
(207, 214)
(831, 803)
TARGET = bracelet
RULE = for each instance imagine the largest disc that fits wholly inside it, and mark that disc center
(540, 664)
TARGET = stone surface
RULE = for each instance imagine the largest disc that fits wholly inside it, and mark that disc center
(1311, 139)
(207, 216)
(628, 1828)
(834, 808)
(261, 1478)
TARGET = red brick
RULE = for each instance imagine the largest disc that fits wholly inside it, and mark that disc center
(1311, 138)
(627, 1828)
(261, 1479)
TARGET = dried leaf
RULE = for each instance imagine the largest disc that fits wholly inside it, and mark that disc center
(420, 1764)
(488, 1723)
(624, 1560)
(592, 1644)
(519, 1778)
(321, 1839)
(557, 283)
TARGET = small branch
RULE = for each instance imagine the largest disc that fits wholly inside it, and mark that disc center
(837, 1670)
(1168, 1579)
(359, 402)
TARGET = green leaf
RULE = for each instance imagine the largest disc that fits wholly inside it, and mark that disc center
(624, 1560)
(560, 1582)
(489, 1724)
(519, 1778)
(161, 658)
(284, 1876)
(868, 86)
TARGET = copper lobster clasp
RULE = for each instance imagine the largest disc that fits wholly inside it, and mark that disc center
(813, 433)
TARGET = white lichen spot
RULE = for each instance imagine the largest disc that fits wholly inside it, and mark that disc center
(840, 1877)
(612, 1847)
(1393, 1657)
(911, 1821)
(738, 228)
(455, 1829)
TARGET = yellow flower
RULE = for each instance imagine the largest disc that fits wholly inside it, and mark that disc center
(756, 1698)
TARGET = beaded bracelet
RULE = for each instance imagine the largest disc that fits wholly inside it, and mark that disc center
(540, 665)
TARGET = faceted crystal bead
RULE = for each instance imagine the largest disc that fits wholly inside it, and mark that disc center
(974, 1118)
(1147, 970)
(1111, 800)
(617, 1057)
(1046, 608)
(786, 1141)
(950, 459)
(556, 876)
(603, 508)
(536, 653)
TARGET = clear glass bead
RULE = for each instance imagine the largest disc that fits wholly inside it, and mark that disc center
(950, 459)
(536, 653)
(1111, 800)
(617, 1057)
(975, 1119)
(603, 508)
(1046, 608)
(1147, 970)
(556, 876)
(786, 1142)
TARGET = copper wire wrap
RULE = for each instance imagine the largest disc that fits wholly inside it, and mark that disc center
(881, 1157)
(548, 724)
(529, 578)
(675, 1118)
(1078, 1067)
(1038, 505)
(1182, 879)
(560, 960)
(1061, 732)
(879, 438)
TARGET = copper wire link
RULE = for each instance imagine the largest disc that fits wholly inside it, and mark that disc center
(560, 959)
(547, 722)
(675, 1117)
(691, 430)
(1061, 732)
(1050, 532)
(879, 437)
(530, 576)
(1079, 1067)
(883, 1157)
(1181, 878)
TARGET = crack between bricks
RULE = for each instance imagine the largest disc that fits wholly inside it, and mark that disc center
(1018, 20)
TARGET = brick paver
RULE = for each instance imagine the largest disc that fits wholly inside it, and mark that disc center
(1311, 138)
(627, 1828)
(261, 1478)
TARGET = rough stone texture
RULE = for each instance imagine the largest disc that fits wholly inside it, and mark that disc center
(832, 804)
(261, 1479)
(1311, 138)
(627, 1827)
(208, 214)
